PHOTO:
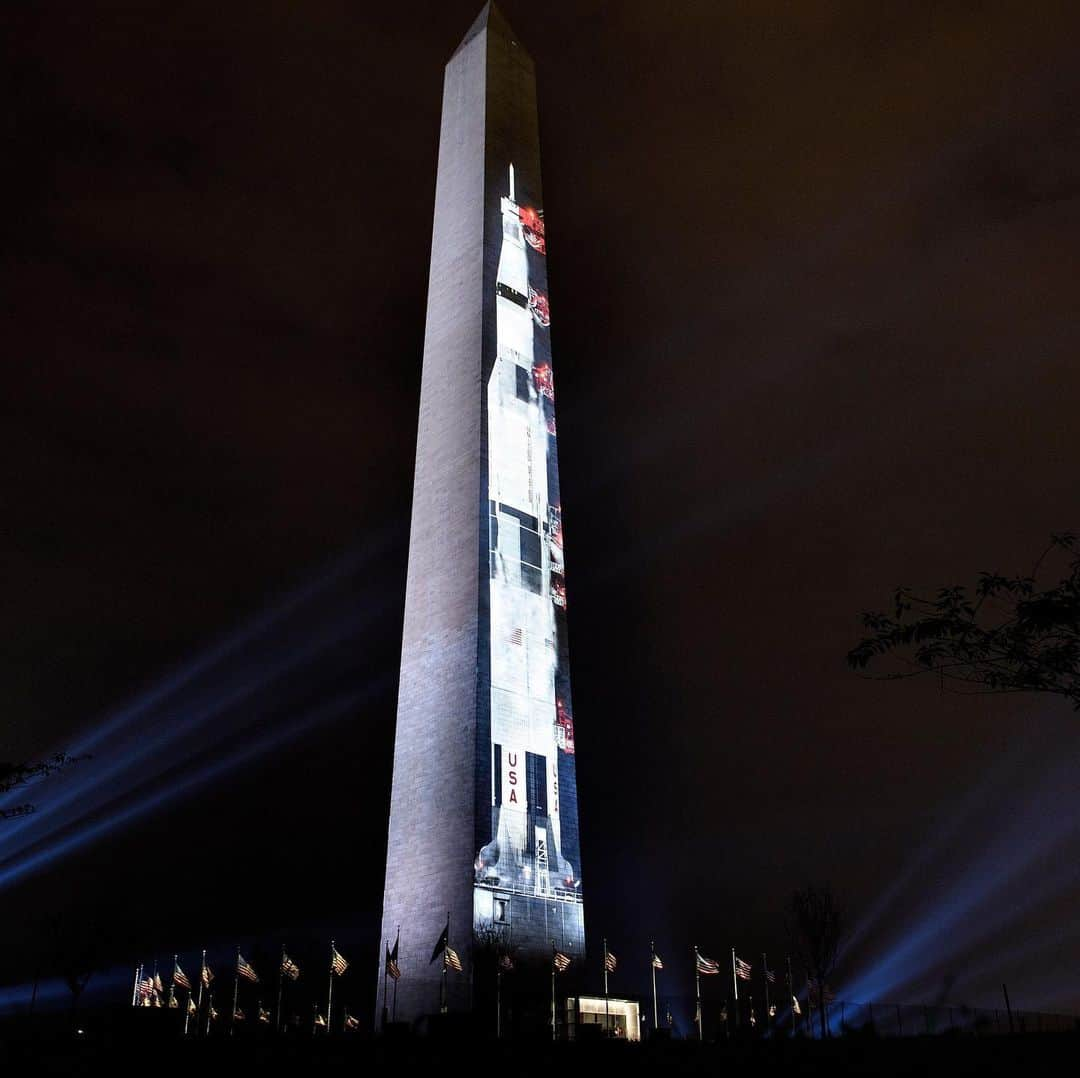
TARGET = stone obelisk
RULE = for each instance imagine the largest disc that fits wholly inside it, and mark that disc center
(483, 832)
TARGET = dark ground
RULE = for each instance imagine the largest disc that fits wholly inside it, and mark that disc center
(854, 1054)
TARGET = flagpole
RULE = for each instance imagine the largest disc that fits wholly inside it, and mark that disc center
(172, 985)
(397, 940)
(135, 984)
(202, 981)
(442, 987)
(280, 987)
(187, 1012)
(235, 994)
(330, 990)
(385, 974)
(791, 993)
(209, 1012)
(553, 990)
(652, 963)
(765, 974)
(735, 983)
(607, 1007)
(697, 993)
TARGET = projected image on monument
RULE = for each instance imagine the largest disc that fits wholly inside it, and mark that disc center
(530, 865)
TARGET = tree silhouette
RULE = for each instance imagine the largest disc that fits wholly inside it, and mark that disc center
(816, 926)
(15, 776)
(1007, 634)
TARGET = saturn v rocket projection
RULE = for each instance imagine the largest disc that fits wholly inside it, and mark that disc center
(483, 832)
(532, 731)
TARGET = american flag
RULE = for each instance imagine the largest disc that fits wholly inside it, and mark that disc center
(244, 969)
(742, 969)
(146, 990)
(451, 959)
(289, 967)
(206, 974)
(443, 940)
(180, 977)
(351, 1023)
(560, 961)
(610, 962)
(338, 964)
(770, 976)
(392, 967)
(705, 965)
(158, 986)
(657, 964)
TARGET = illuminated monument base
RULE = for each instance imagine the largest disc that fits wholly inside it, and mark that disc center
(483, 818)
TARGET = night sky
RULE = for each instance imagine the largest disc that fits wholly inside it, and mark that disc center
(814, 289)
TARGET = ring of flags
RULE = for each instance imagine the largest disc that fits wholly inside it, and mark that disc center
(150, 991)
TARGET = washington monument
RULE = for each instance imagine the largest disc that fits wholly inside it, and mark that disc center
(483, 833)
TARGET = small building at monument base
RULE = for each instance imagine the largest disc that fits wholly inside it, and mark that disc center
(594, 1016)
